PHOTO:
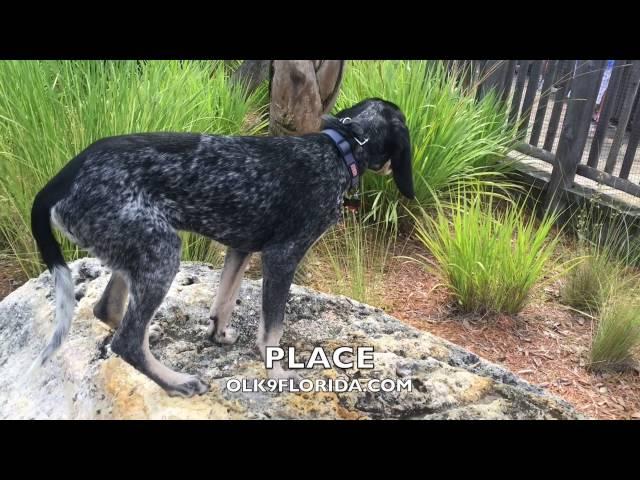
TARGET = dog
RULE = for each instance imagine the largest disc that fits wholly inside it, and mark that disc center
(124, 198)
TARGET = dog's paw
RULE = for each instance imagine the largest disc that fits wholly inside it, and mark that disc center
(155, 332)
(228, 336)
(192, 386)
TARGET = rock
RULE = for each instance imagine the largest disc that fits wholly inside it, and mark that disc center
(85, 380)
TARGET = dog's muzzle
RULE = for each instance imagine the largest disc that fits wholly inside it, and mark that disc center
(385, 169)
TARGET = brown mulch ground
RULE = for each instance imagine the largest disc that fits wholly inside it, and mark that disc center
(11, 277)
(546, 344)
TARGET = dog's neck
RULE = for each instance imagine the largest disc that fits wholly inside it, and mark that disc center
(350, 146)
(347, 156)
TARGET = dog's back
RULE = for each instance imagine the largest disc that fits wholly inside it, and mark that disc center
(241, 191)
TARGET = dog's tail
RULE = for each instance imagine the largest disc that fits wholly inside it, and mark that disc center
(52, 257)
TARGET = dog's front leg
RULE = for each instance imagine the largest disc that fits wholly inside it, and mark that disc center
(278, 268)
(235, 263)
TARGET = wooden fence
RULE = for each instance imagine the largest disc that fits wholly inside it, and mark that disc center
(554, 103)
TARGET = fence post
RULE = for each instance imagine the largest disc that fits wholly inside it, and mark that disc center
(569, 150)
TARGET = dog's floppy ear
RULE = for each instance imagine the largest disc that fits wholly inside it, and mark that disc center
(401, 158)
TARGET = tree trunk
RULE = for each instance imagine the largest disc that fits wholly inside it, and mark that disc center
(301, 92)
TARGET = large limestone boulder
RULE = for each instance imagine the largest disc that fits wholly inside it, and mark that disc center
(85, 380)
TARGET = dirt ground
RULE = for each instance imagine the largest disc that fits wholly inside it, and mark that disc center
(11, 277)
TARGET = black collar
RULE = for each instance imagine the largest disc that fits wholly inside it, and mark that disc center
(347, 155)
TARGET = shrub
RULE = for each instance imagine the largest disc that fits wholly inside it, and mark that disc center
(608, 249)
(616, 333)
(489, 257)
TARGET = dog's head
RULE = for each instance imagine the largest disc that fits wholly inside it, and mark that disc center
(388, 148)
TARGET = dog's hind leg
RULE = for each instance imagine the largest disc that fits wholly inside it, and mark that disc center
(235, 263)
(150, 268)
(278, 268)
(111, 306)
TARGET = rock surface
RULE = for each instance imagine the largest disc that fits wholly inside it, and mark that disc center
(85, 380)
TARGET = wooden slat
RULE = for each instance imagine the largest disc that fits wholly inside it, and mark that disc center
(624, 85)
(478, 68)
(517, 94)
(632, 146)
(500, 74)
(571, 74)
(609, 180)
(594, 79)
(605, 113)
(508, 79)
(563, 82)
(569, 150)
(624, 117)
(490, 77)
(530, 95)
(543, 102)
(535, 152)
